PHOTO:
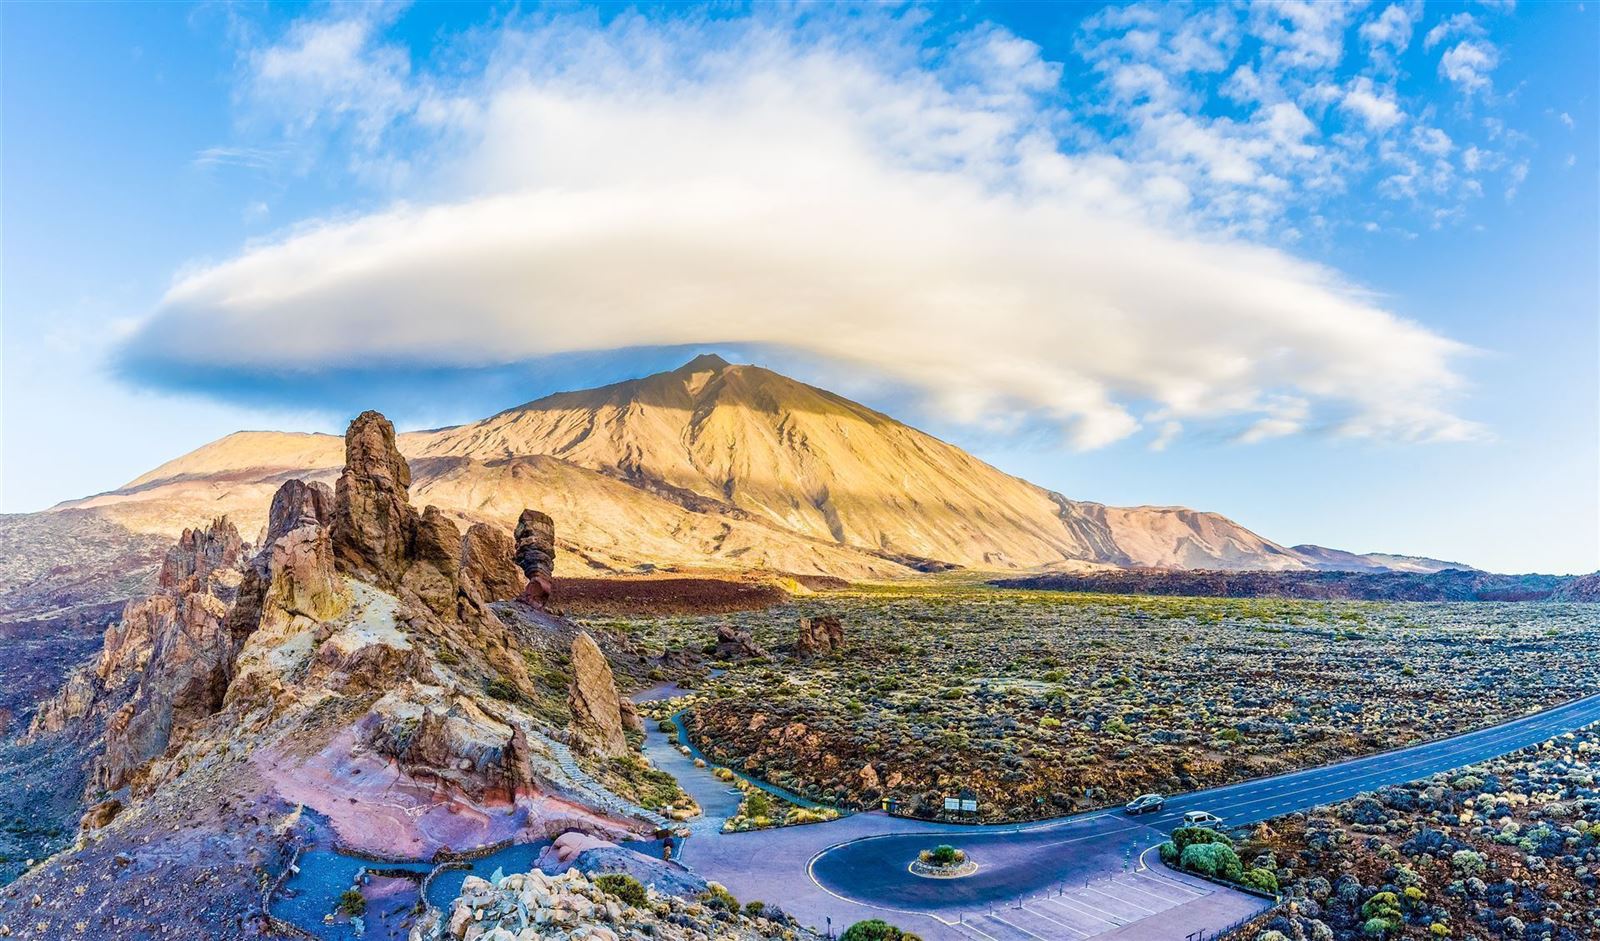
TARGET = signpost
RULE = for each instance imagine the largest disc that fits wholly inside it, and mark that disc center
(965, 803)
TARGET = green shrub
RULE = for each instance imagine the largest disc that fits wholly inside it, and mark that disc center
(1382, 910)
(1467, 863)
(1264, 880)
(755, 909)
(503, 691)
(942, 855)
(758, 804)
(1169, 853)
(623, 887)
(1212, 859)
(717, 898)
(874, 929)
(1185, 837)
(352, 902)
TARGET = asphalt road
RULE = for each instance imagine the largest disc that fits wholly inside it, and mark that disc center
(1017, 862)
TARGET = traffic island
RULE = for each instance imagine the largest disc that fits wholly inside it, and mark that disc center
(943, 862)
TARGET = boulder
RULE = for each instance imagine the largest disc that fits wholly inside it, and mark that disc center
(596, 707)
(100, 814)
(819, 636)
(488, 564)
(734, 644)
(536, 554)
(373, 521)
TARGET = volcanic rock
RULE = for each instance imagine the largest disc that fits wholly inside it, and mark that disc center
(434, 561)
(596, 707)
(172, 650)
(734, 644)
(819, 636)
(373, 520)
(536, 554)
(488, 566)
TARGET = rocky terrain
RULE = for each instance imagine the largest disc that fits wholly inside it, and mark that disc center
(368, 666)
(1045, 703)
(1509, 848)
(573, 906)
(1443, 585)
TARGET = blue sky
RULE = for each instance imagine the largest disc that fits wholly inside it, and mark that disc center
(1328, 269)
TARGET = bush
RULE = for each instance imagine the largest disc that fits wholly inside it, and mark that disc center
(717, 898)
(503, 691)
(352, 902)
(1169, 853)
(943, 855)
(623, 887)
(755, 909)
(1263, 880)
(1467, 863)
(758, 804)
(1382, 910)
(874, 929)
(1212, 859)
(1186, 837)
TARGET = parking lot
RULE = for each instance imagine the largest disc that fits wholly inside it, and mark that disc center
(1132, 905)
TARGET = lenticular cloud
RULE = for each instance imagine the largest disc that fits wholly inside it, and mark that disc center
(645, 184)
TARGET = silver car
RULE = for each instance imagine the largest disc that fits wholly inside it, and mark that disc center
(1201, 818)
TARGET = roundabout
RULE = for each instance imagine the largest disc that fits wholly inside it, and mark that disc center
(943, 862)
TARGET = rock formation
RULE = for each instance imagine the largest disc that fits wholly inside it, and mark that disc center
(433, 564)
(536, 554)
(488, 563)
(168, 660)
(734, 644)
(596, 707)
(819, 636)
(373, 521)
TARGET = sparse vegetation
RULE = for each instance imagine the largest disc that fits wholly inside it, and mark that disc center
(1045, 703)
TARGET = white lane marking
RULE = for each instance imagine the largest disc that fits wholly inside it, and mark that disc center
(972, 927)
(1018, 927)
(1056, 921)
(1122, 900)
(1168, 900)
(1061, 903)
(1188, 891)
(1099, 914)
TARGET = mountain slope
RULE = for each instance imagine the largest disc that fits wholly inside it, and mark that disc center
(718, 465)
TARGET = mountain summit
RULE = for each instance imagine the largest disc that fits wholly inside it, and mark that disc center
(719, 465)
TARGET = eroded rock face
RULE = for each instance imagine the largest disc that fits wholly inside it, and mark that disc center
(199, 554)
(819, 636)
(432, 733)
(373, 521)
(596, 707)
(734, 644)
(488, 564)
(174, 652)
(536, 554)
(434, 561)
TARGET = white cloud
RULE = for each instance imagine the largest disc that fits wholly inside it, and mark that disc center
(1461, 24)
(720, 182)
(1373, 104)
(1389, 33)
(1468, 63)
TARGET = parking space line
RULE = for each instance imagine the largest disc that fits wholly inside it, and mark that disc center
(1110, 918)
(1019, 928)
(1056, 921)
(1122, 900)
